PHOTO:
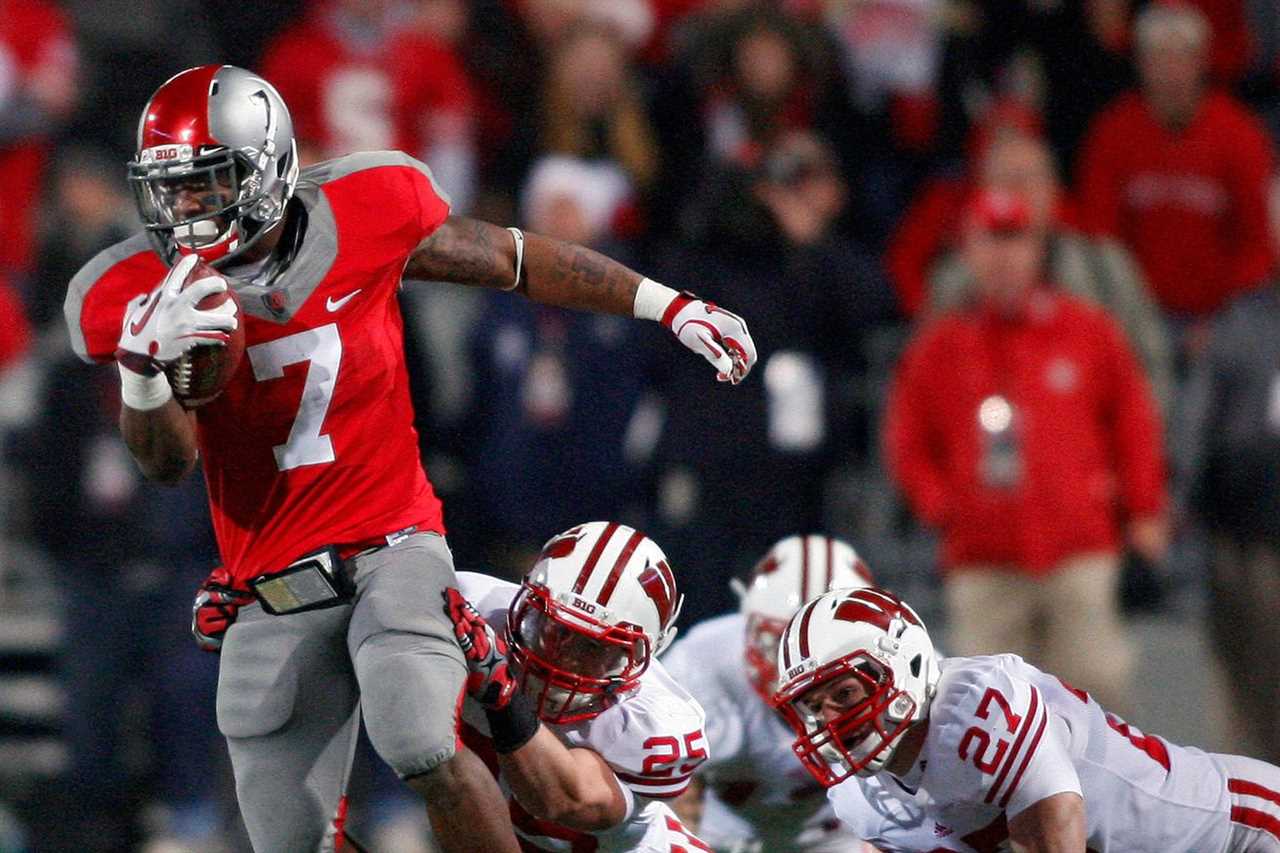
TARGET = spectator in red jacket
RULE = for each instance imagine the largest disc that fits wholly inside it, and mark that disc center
(362, 76)
(1022, 428)
(1100, 271)
(15, 333)
(1178, 172)
(37, 91)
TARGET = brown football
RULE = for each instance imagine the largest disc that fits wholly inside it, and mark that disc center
(200, 375)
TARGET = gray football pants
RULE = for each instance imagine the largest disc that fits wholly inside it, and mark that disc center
(291, 690)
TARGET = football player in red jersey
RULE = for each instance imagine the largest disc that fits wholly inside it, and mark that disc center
(321, 507)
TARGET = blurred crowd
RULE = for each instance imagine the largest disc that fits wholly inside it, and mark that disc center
(1011, 266)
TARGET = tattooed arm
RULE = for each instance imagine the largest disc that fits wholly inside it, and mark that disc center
(469, 251)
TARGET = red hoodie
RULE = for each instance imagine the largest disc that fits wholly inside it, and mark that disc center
(1191, 204)
(1090, 438)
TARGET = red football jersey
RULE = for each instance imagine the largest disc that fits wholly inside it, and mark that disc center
(312, 443)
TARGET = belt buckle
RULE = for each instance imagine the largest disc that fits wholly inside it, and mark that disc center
(308, 583)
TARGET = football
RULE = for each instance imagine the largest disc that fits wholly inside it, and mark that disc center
(200, 375)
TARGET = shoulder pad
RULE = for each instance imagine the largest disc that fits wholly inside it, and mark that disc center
(341, 167)
(653, 740)
(97, 293)
(985, 724)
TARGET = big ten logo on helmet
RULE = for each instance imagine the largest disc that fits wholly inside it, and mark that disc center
(583, 605)
(166, 153)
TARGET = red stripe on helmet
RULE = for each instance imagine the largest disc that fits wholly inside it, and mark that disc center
(594, 557)
(786, 645)
(804, 569)
(611, 582)
(178, 112)
(804, 630)
(831, 562)
(660, 585)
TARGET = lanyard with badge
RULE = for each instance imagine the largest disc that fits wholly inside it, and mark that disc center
(999, 421)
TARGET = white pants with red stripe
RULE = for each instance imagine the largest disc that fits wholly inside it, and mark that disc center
(1254, 788)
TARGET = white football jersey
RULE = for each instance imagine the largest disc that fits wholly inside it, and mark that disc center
(653, 739)
(758, 794)
(1004, 735)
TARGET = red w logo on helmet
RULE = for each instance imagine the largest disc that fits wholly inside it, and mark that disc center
(870, 605)
(766, 566)
(876, 607)
(660, 585)
(561, 546)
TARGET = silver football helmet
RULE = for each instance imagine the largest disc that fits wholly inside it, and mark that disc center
(216, 163)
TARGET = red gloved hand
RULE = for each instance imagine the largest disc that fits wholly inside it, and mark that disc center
(489, 680)
(215, 609)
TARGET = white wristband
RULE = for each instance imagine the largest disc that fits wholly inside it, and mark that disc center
(652, 299)
(143, 393)
(518, 236)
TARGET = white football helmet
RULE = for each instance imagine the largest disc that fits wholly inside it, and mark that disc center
(875, 636)
(797, 569)
(598, 605)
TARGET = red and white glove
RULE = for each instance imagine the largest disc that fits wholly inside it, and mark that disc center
(489, 680)
(719, 336)
(162, 325)
(215, 610)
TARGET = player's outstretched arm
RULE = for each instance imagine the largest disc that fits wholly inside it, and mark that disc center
(1053, 825)
(469, 251)
(572, 787)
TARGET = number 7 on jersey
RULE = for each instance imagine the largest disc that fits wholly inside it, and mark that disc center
(322, 349)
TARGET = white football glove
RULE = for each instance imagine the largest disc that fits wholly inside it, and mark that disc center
(162, 325)
(719, 336)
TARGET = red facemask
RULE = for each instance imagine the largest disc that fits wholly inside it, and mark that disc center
(860, 739)
(572, 665)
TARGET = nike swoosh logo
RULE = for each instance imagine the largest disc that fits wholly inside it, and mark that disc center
(136, 326)
(334, 304)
